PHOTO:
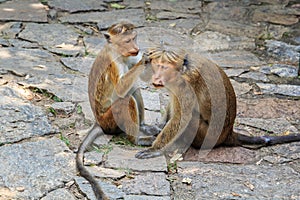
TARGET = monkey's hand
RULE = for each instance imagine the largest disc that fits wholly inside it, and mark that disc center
(150, 130)
(148, 153)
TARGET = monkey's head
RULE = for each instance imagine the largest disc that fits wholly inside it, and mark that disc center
(122, 37)
(167, 65)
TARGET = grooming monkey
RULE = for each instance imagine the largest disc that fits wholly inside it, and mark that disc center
(202, 106)
(115, 100)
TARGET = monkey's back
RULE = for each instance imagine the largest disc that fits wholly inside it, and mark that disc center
(214, 92)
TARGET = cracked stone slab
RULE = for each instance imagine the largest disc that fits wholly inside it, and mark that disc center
(108, 18)
(19, 10)
(283, 89)
(235, 59)
(62, 40)
(120, 158)
(30, 62)
(94, 45)
(59, 194)
(149, 183)
(109, 189)
(214, 41)
(144, 197)
(20, 119)
(240, 88)
(152, 36)
(151, 100)
(283, 51)
(257, 76)
(32, 169)
(192, 6)
(280, 70)
(234, 72)
(63, 107)
(219, 181)
(276, 126)
(80, 64)
(77, 5)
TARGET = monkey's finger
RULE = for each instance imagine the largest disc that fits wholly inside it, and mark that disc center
(148, 154)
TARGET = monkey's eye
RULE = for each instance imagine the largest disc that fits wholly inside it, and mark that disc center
(164, 67)
(127, 41)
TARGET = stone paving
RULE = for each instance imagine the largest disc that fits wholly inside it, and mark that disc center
(47, 48)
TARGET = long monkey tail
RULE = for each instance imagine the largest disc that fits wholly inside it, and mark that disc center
(89, 138)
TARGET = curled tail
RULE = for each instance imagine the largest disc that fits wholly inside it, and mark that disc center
(89, 138)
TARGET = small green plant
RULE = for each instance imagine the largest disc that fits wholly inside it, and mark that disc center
(121, 140)
(105, 149)
(79, 109)
(117, 6)
(172, 167)
(52, 110)
(64, 139)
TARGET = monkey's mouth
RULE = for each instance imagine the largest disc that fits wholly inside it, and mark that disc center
(158, 85)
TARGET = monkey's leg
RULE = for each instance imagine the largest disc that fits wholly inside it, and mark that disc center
(125, 111)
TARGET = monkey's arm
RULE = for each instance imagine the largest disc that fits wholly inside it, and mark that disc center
(126, 82)
(172, 136)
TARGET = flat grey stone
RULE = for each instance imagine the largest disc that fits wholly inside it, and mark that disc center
(148, 183)
(108, 18)
(175, 15)
(230, 27)
(80, 64)
(214, 41)
(280, 16)
(93, 158)
(59, 194)
(101, 172)
(36, 167)
(280, 70)
(18, 10)
(77, 5)
(257, 76)
(61, 37)
(192, 6)
(110, 190)
(32, 62)
(20, 119)
(151, 100)
(22, 44)
(288, 90)
(125, 159)
(153, 36)
(240, 88)
(183, 25)
(87, 110)
(283, 51)
(275, 126)
(63, 107)
(234, 72)
(152, 117)
(93, 45)
(144, 197)
(219, 181)
(284, 153)
(235, 59)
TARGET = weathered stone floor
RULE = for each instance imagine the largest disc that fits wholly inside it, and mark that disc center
(47, 48)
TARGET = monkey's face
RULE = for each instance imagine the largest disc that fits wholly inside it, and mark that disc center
(164, 73)
(125, 44)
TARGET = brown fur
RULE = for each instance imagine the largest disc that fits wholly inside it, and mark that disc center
(202, 106)
(116, 102)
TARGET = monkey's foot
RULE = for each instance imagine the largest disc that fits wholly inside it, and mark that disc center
(148, 153)
(145, 140)
(150, 130)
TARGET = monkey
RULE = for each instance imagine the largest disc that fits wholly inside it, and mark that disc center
(202, 107)
(115, 99)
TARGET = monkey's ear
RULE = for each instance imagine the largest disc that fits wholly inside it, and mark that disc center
(107, 37)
